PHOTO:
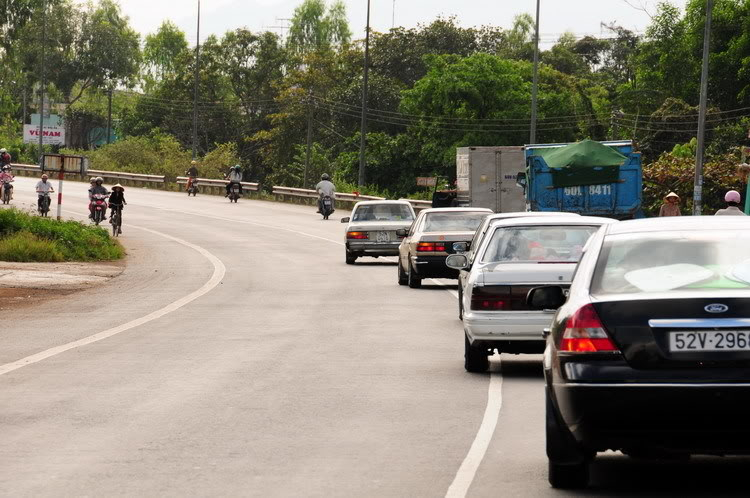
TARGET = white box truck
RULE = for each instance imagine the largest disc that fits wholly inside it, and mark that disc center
(486, 177)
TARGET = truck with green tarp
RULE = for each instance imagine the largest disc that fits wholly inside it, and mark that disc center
(589, 178)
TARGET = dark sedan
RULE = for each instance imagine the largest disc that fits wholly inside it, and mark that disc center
(650, 352)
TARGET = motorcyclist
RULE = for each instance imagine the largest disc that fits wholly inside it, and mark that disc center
(6, 175)
(5, 158)
(117, 201)
(43, 187)
(235, 177)
(325, 189)
(732, 198)
(98, 188)
(192, 174)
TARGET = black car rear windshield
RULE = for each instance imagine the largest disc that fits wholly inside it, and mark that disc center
(548, 244)
(673, 261)
(383, 212)
(460, 221)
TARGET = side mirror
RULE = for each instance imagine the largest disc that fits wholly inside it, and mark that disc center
(461, 246)
(457, 262)
(345, 220)
(401, 232)
(521, 180)
(546, 298)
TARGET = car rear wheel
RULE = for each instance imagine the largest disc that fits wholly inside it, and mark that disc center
(476, 360)
(403, 278)
(568, 463)
(412, 279)
(350, 258)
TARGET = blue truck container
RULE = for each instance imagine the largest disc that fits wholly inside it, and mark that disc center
(620, 199)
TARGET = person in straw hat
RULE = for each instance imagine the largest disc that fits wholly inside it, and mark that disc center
(117, 200)
(671, 206)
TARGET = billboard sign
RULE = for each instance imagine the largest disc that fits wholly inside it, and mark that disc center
(51, 135)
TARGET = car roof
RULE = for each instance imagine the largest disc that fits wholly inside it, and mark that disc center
(370, 203)
(680, 223)
(554, 220)
(527, 214)
(457, 210)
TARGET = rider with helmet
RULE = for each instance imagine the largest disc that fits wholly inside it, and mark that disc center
(100, 189)
(5, 158)
(192, 174)
(235, 177)
(732, 198)
(43, 187)
(6, 176)
(325, 188)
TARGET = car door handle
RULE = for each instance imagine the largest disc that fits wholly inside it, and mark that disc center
(546, 332)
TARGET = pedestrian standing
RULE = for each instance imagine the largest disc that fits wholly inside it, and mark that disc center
(671, 206)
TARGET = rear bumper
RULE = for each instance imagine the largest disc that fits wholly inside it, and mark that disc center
(661, 417)
(494, 327)
(433, 267)
(374, 248)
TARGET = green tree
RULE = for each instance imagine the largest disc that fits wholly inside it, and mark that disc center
(161, 52)
(315, 26)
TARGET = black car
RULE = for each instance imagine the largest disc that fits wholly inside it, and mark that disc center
(649, 354)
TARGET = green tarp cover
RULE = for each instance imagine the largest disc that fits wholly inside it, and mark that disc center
(583, 163)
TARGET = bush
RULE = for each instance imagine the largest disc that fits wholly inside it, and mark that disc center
(24, 247)
(74, 241)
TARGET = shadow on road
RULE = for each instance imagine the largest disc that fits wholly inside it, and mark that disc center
(375, 263)
(521, 366)
(613, 474)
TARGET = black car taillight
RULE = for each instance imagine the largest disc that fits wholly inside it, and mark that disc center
(584, 333)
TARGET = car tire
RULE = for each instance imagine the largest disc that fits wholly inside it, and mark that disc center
(562, 449)
(403, 278)
(476, 360)
(413, 280)
(460, 302)
(350, 258)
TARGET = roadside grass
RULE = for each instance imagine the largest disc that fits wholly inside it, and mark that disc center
(37, 239)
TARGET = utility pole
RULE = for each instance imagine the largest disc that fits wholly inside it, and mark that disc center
(535, 84)
(195, 83)
(698, 182)
(309, 137)
(43, 83)
(393, 19)
(109, 118)
(365, 88)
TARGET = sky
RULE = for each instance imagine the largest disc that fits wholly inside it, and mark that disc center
(557, 16)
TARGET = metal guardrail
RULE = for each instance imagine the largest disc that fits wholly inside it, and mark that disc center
(212, 182)
(418, 204)
(312, 194)
(26, 167)
(118, 175)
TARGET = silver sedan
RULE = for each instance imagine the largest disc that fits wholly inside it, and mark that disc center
(371, 230)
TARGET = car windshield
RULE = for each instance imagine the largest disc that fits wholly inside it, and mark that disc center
(460, 221)
(536, 244)
(672, 261)
(383, 212)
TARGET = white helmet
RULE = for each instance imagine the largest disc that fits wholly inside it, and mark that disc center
(3, 150)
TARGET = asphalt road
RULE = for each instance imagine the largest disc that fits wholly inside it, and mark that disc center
(238, 355)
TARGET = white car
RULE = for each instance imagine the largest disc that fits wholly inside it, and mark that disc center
(514, 256)
(372, 227)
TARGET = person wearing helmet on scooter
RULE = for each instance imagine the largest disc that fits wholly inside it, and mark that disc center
(43, 187)
(325, 188)
(5, 158)
(192, 174)
(732, 198)
(7, 175)
(98, 188)
(235, 177)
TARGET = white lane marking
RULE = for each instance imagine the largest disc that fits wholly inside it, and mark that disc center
(468, 470)
(441, 284)
(218, 275)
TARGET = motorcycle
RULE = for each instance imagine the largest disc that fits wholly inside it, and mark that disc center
(44, 201)
(234, 193)
(99, 206)
(326, 206)
(7, 191)
(193, 187)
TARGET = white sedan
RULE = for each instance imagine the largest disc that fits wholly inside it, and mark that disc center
(514, 256)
